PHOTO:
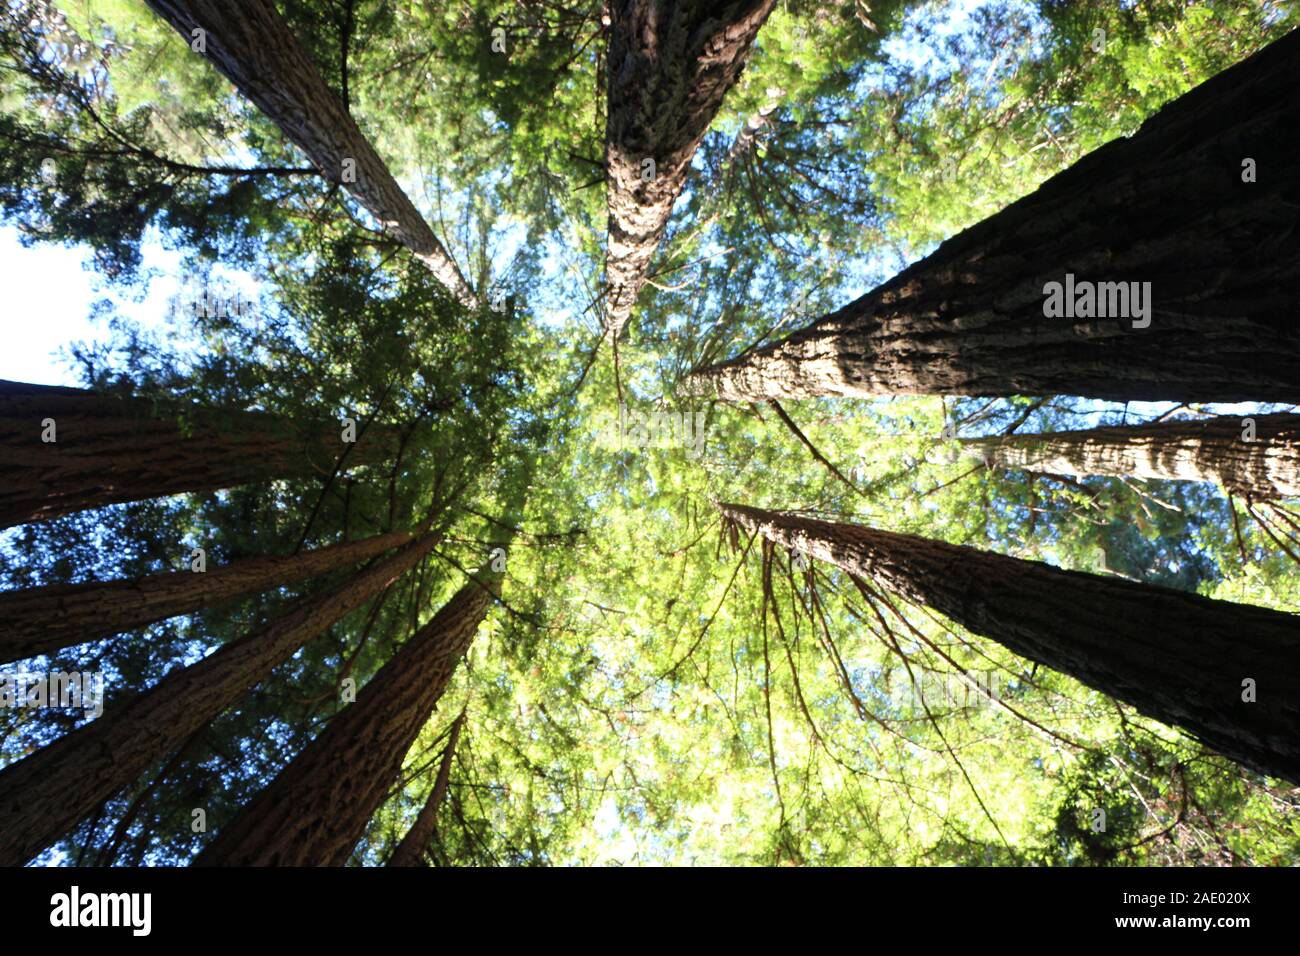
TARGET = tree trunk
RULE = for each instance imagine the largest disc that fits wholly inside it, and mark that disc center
(1212, 449)
(44, 794)
(410, 851)
(254, 48)
(41, 620)
(1175, 656)
(670, 64)
(314, 812)
(109, 449)
(750, 132)
(1167, 206)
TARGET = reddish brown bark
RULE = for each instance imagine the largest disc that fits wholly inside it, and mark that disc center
(1167, 206)
(410, 851)
(111, 449)
(314, 812)
(254, 48)
(1175, 656)
(1218, 450)
(44, 619)
(671, 63)
(44, 794)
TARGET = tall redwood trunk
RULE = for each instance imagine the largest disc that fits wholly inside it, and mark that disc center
(1212, 449)
(44, 794)
(1175, 656)
(745, 140)
(110, 449)
(44, 619)
(314, 812)
(1167, 206)
(670, 64)
(251, 44)
(410, 851)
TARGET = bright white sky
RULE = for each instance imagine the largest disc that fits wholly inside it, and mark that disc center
(50, 290)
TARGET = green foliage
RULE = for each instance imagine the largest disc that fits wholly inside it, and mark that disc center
(644, 694)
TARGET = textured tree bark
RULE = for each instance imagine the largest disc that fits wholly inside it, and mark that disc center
(1211, 449)
(410, 850)
(253, 47)
(1175, 656)
(109, 449)
(44, 794)
(670, 64)
(44, 619)
(1167, 206)
(314, 812)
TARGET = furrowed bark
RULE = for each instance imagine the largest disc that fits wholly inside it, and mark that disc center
(314, 812)
(110, 449)
(1212, 449)
(45, 794)
(410, 850)
(41, 620)
(254, 48)
(1175, 656)
(1167, 206)
(670, 65)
